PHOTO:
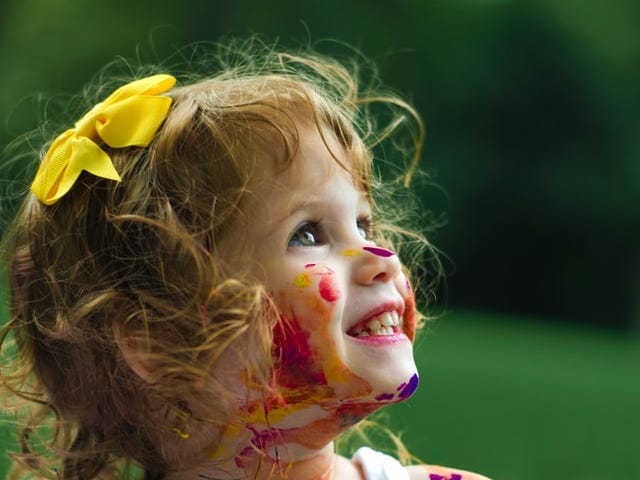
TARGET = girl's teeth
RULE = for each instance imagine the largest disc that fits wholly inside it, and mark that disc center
(385, 324)
(374, 325)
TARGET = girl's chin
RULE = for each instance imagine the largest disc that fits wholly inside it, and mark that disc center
(396, 388)
(393, 385)
(388, 365)
(386, 391)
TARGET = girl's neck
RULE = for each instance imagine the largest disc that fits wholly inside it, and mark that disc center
(322, 464)
(300, 446)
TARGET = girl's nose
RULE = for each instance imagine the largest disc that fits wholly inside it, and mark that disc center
(374, 264)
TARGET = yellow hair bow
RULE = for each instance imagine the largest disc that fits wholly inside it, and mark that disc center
(130, 116)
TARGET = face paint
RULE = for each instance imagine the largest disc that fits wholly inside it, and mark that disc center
(302, 280)
(303, 341)
(351, 252)
(409, 319)
(379, 251)
(326, 290)
(385, 396)
(407, 389)
(296, 366)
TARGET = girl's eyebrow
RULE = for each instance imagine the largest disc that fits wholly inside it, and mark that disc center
(321, 202)
(313, 204)
(295, 208)
(306, 204)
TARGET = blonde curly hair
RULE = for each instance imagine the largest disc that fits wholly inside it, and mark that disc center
(137, 260)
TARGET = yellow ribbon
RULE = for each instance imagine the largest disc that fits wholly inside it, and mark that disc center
(130, 116)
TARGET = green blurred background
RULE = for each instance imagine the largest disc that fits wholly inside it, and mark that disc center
(532, 114)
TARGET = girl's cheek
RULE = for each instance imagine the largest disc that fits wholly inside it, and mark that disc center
(301, 338)
(403, 285)
(312, 296)
(296, 361)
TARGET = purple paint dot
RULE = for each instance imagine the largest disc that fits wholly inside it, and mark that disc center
(410, 387)
(385, 396)
(401, 386)
(381, 252)
(435, 476)
(456, 476)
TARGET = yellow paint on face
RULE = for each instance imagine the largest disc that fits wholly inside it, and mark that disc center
(351, 252)
(302, 280)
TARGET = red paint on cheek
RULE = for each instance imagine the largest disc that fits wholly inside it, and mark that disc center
(326, 290)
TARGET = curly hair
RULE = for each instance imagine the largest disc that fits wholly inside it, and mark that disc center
(137, 260)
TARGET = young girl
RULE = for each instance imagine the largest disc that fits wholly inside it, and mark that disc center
(202, 285)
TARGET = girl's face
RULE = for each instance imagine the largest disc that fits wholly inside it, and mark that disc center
(347, 317)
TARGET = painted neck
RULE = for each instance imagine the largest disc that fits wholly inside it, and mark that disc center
(287, 443)
(290, 462)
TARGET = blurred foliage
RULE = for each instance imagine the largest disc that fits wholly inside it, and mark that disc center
(531, 108)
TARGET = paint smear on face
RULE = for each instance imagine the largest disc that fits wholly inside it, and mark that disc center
(351, 252)
(302, 280)
(385, 396)
(326, 290)
(379, 251)
(297, 365)
(310, 265)
(304, 342)
(409, 317)
(407, 389)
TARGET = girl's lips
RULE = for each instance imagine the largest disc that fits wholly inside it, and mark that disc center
(396, 337)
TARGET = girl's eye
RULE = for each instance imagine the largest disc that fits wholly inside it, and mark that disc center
(365, 227)
(307, 235)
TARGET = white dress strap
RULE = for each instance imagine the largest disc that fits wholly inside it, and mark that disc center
(379, 466)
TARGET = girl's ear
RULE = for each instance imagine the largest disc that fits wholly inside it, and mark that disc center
(135, 352)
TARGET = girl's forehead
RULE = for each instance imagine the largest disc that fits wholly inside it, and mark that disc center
(321, 168)
(319, 159)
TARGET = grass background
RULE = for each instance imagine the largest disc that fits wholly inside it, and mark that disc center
(517, 399)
